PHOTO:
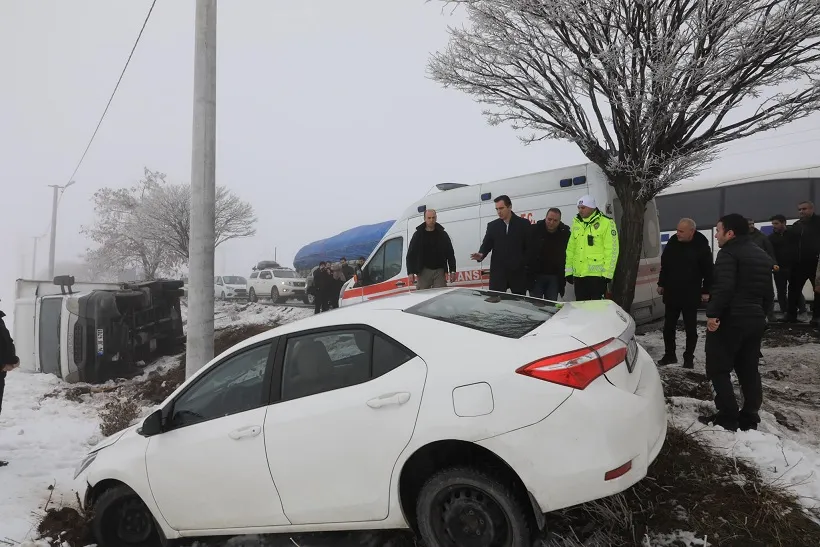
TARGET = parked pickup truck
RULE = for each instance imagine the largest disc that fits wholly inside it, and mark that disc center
(95, 332)
(278, 284)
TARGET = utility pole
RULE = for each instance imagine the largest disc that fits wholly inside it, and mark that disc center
(34, 259)
(200, 343)
(53, 243)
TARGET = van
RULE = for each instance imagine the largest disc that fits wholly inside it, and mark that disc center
(465, 211)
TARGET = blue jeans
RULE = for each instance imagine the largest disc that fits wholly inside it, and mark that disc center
(545, 286)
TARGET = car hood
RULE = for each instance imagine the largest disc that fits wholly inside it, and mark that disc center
(111, 439)
(235, 286)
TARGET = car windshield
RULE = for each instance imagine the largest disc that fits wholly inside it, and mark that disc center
(234, 280)
(284, 273)
(502, 314)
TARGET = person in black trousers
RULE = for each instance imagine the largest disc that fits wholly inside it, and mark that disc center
(8, 362)
(741, 297)
(806, 235)
(507, 238)
(785, 251)
(684, 281)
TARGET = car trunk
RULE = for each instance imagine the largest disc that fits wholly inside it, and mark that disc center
(595, 321)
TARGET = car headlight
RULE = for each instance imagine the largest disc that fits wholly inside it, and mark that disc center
(88, 460)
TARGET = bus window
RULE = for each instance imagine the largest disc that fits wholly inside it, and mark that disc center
(761, 200)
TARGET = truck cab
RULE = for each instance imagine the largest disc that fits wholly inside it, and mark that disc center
(95, 332)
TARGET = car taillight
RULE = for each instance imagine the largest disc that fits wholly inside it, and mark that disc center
(577, 369)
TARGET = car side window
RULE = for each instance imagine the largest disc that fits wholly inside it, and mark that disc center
(265, 275)
(315, 363)
(330, 360)
(233, 386)
(254, 275)
(387, 355)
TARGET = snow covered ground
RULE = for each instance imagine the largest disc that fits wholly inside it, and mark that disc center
(44, 435)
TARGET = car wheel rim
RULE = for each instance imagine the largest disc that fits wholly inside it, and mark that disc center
(467, 517)
(134, 523)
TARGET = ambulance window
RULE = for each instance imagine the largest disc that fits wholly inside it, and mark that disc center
(393, 257)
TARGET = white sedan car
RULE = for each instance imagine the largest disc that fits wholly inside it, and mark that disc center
(462, 414)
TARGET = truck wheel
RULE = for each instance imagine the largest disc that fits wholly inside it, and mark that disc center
(274, 295)
(464, 506)
(252, 296)
(122, 519)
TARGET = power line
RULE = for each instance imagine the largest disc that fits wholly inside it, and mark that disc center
(114, 92)
(110, 100)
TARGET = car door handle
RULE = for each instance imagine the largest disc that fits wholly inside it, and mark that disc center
(400, 283)
(389, 399)
(242, 432)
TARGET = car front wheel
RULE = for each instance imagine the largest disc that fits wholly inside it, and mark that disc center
(463, 507)
(122, 519)
(252, 295)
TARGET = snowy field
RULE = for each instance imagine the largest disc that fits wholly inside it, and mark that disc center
(44, 433)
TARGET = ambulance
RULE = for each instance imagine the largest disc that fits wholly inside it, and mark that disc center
(465, 210)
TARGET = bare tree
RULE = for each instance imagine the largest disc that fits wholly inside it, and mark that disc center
(649, 90)
(167, 211)
(121, 233)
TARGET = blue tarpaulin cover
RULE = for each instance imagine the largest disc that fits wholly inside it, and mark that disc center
(351, 244)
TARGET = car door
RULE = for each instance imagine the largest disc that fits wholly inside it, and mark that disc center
(348, 402)
(208, 468)
(265, 283)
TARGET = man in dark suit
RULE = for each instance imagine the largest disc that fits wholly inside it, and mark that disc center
(507, 239)
(8, 361)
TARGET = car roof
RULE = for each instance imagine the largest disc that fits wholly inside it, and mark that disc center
(357, 313)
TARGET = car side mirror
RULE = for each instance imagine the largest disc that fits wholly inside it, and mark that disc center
(152, 424)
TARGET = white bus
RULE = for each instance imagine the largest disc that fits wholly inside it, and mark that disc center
(464, 211)
(758, 196)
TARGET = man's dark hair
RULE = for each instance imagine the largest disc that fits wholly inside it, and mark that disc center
(554, 210)
(322, 263)
(505, 198)
(736, 223)
(780, 218)
(343, 258)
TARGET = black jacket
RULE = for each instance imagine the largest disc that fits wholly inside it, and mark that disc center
(762, 240)
(8, 355)
(442, 251)
(742, 285)
(686, 270)
(806, 234)
(785, 248)
(509, 248)
(547, 251)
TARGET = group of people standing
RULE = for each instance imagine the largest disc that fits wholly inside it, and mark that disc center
(328, 279)
(739, 296)
(538, 258)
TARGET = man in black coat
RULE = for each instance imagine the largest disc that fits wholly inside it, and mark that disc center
(741, 297)
(430, 254)
(507, 238)
(8, 361)
(806, 235)
(548, 256)
(684, 281)
(785, 252)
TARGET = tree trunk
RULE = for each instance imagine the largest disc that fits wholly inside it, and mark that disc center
(630, 238)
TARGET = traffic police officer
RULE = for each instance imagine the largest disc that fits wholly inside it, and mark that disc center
(592, 252)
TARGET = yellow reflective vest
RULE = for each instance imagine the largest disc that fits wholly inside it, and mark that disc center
(593, 247)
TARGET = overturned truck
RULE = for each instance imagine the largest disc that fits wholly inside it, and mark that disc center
(95, 332)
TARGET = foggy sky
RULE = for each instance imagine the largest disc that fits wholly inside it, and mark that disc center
(325, 118)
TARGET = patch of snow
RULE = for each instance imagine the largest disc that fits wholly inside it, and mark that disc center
(43, 439)
(782, 462)
(676, 538)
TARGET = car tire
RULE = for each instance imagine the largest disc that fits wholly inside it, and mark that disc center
(223, 295)
(310, 299)
(274, 295)
(306, 299)
(252, 295)
(460, 504)
(121, 519)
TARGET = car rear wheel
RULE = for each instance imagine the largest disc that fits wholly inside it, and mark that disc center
(122, 519)
(463, 507)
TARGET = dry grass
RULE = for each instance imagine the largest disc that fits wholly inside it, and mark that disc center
(117, 414)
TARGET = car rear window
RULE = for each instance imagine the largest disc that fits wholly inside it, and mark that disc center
(502, 314)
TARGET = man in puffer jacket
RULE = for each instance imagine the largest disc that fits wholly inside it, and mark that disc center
(741, 296)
